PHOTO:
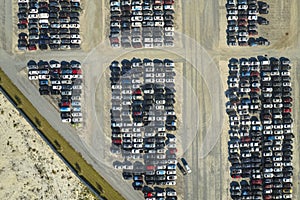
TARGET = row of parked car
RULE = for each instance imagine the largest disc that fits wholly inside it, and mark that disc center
(138, 23)
(53, 24)
(261, 136)
(242, 17)
(142, 111)
(60, 78)
(143, 176)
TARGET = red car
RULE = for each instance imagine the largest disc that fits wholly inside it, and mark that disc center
(150, 167)
(288, 100)
(246, 139)
(65, 104)
(76, 71)
(137, 45)
(235, 176)
(32, 47)
(267, 116)
(256, 182)
(243, 23)
(269, 186)
(254, 74)
(148, 194)
(287, 110)
(117, 141)
(137, 92)
(172, 151)
(137, 113)
(114, 40)
(23, 21)
(57, 71)
(169, 1)
(254, 89)
(158, 2)
(268, 197)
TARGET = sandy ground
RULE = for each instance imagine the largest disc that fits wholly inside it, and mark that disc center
(29, 166)
(204, 24)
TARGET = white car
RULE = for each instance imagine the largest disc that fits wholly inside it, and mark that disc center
(78, 41)
(285, 73)
(44, 76)
(65, 120)
(136, 24)
(286, 84)
(172, 177)
(33, 77)
(75, 36)
(33, 16)
(169, 28)
(278, 132)
(74, 25)
(252, 17)
(67, 82)
(242, 7)
(245, 89)
(136, 18)
(277, 158)
(56, 87)
(168, 7)
(288, 126)
(79, 114)
(77, 119)
(171, 183)
(232, 12)
(33, 72)
(287, 180)
(266, 78)
(268, 175)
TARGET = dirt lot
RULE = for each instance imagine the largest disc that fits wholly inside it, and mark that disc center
(29, 165)
(201, 43)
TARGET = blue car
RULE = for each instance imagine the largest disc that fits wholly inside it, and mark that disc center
(246, 101)
(43, 82)
(245, 74)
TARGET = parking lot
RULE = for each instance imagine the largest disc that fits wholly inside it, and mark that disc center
(143, 124)
(140, 24)
(49, 24)
(63, 79)
(261, 135)
(243, 18)
(212, 179)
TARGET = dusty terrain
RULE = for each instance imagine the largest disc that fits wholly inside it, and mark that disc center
(200, 45)
(29, 165)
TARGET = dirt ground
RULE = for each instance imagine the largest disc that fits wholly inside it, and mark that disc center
(29, 165)
(200, 41)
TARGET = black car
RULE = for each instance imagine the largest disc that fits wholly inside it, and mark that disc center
(44, 92)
